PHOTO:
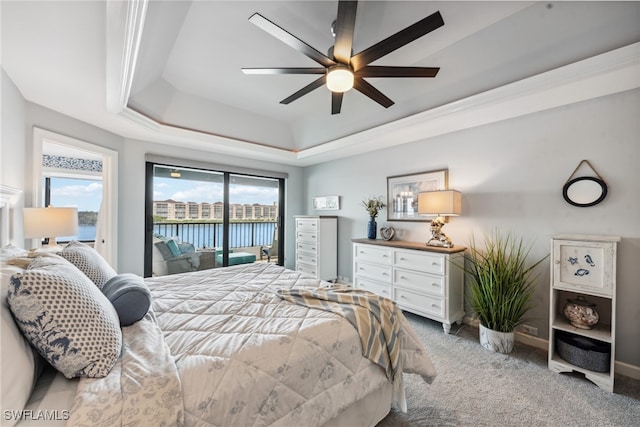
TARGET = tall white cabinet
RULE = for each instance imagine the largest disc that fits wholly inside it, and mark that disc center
(420, 279)
(583, 267)
(317, 246)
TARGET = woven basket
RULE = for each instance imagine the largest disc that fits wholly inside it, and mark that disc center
(584, 352)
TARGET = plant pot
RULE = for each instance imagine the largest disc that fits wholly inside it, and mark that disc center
(500, 342)
(372, 229)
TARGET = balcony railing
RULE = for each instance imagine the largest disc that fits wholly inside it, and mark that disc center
(209, 234)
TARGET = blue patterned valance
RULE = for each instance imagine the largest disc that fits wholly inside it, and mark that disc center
(69, 163)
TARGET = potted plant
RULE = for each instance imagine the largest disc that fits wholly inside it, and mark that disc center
(373, 206)
(501, 287)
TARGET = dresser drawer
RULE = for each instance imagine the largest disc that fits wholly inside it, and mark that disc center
(372, 254)
(306, 236)
(373, 271)
(422, 282)
(306, 258)
(306, 268)
(309, 248)
(310, 224)
(431, 305)
(373, 286)
(420, 261)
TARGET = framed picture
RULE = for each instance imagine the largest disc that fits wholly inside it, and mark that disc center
(402, 193)
(326, 203)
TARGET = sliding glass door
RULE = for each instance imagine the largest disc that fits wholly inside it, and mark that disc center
(200, 219)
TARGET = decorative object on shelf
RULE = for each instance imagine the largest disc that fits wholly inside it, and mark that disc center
(327, 203)
(402, 193)
(387, 233)
(50, 222)
(439, 203)
(584, 191)
(501, 286)
(581, 313)
(373, 206)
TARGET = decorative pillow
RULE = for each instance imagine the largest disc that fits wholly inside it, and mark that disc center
(173, 247)
(19, 368)
(164, 249)
(66, 318)
(89, 261)
(129, 295)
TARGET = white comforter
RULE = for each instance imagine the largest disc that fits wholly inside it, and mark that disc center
(245, 357)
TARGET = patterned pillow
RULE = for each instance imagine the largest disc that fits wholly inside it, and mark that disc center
(89, 262)
(66, 318)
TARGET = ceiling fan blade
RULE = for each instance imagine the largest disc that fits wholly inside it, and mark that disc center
(383, 71)
(289, 39)
(345, 23)
(284, 70)
(397, 40)
(373, 93)
(305, 90)
(336, 102)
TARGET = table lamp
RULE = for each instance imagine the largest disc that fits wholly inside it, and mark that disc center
(50, 222)
(440, 203)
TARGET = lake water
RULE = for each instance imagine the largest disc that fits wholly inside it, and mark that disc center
(201, 235)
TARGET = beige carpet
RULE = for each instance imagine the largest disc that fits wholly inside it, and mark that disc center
(476, 387)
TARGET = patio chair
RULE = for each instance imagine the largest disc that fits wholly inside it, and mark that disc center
(272, 250)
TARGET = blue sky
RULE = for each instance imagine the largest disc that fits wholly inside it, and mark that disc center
(86, 195)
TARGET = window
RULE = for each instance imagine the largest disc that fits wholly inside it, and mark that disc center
(215, 218)
(82, 193)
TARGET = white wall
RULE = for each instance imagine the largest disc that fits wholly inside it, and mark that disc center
(511, 175)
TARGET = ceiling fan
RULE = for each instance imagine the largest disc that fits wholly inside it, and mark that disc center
(341, 70)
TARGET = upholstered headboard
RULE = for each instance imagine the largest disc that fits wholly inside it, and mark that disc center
(10, 222)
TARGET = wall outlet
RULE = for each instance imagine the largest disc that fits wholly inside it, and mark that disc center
(529, 330)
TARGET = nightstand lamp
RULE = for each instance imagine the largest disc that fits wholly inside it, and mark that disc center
(440, 203)
(50, 222)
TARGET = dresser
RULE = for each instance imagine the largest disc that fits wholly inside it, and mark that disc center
(419, 278)
(317, 246)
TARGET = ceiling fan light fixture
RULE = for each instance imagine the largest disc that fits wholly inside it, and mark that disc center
(339, 78)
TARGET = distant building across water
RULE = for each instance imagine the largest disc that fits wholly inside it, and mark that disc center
(173, 210)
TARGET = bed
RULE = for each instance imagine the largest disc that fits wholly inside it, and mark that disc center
(220, 347)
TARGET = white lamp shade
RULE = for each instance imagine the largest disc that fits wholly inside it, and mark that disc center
(50, 222)
(441, 203)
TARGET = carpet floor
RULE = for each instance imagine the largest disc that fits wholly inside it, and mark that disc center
(476, 387)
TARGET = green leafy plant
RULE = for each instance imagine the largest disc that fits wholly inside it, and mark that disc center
(501, 283)
(373, 206)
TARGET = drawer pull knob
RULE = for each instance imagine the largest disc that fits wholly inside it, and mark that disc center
(437, 285)
(434, 305)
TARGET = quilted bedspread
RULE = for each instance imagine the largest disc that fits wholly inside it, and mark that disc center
(245, 357)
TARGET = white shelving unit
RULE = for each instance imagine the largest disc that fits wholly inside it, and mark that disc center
(583, 265)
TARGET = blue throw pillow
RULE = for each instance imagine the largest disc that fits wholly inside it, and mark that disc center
(173, 247)
(130, 296)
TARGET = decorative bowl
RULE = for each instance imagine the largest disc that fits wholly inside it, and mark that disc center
(581, 313)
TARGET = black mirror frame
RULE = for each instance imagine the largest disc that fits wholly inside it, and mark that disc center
(603, 194)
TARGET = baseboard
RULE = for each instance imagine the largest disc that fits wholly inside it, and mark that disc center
(621, 368)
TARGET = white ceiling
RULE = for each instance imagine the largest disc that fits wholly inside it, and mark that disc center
(184, 80)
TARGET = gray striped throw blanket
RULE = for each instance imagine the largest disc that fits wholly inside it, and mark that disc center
(375, 318)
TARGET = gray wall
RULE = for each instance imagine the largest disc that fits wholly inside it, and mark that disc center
(511, 175)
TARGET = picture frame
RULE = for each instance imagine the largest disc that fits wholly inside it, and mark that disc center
(402, 193)
(326, 203)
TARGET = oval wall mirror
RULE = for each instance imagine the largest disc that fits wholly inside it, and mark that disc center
(584, 191)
